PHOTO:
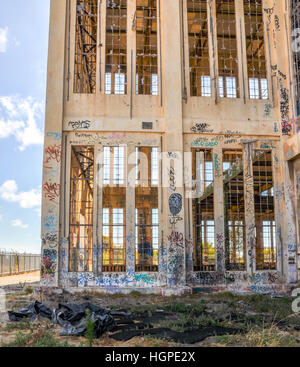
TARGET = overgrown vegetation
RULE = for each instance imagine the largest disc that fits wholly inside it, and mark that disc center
(90, 329)
(258, 320)
(40, 338)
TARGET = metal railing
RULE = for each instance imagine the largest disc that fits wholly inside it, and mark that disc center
(14, 263)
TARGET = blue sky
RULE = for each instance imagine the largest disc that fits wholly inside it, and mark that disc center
(23, 65)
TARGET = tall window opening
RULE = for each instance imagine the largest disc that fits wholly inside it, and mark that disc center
(146, 209)
(234, 210)
(86, 46)
(200, 81)
(114, 210)
(264, 211)
(203, 210)
(81, 209)
(228, 79)
(255, 46)
(116, 47)
(146, 47)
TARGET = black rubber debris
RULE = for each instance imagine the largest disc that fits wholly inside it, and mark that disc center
(71, 317)
(31, 312)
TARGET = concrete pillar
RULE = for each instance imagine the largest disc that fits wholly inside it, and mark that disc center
(219, 210)
(51, 187)
(279, 207)
(130, 211)
(249, 208)
(285, 115)
(173, 143)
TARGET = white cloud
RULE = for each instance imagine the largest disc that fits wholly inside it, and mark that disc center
(26, 199)
(18, 118)
(3, 39)
(1, 217)
(18, 223)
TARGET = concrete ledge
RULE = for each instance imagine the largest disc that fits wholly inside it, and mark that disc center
(180, 291)
(166, 292)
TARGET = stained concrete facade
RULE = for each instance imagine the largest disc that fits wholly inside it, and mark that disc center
(180, 123)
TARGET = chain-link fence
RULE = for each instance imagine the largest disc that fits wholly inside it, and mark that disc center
(14, 263)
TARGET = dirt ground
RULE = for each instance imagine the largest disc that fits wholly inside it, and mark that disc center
(220, 319)
(20, 278)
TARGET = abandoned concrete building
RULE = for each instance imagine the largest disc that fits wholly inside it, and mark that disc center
(172, 153)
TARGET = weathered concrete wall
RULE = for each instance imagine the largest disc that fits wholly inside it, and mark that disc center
(178, 126)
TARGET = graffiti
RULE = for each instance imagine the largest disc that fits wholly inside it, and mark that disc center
(52, 153)
(174, 219)
(175, 269)
(176, 238)
(220, 251)
(234, 279)
(230, 141)
(217, 165)
(172, 155)
(82, 280)
(175, 203)
(283, 76)
(272, 277)
(231, 133)
(269, 12)
(144, 278)
(188, 244)
(286, 127)
(76, 125)
(267, 146)
(261, 289)
(172, 181)
(130, 238)
(51, 190)
(277, 23)
(50, 239)
(268, 107)
(55, 136)
(50, 222)
(201, 128)
(204, 144)
(284, 104)
(206, 278)
(49, 259)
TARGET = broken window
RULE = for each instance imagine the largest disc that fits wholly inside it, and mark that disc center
(146, 209)
(81, 208)
(234, 210)
(114, 210)
(146, 47)
(255, 47)
(227, 49)
(85, 46)
(116, 47)
(264, 211)
(203, 210)
(200, 81)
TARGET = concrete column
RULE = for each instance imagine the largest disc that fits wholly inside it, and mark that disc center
(249, 208)
(130, 211)
(173, 143)
(279, 207)
(219, 210)
(296, 164)
(51, 187)
(285, 116)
